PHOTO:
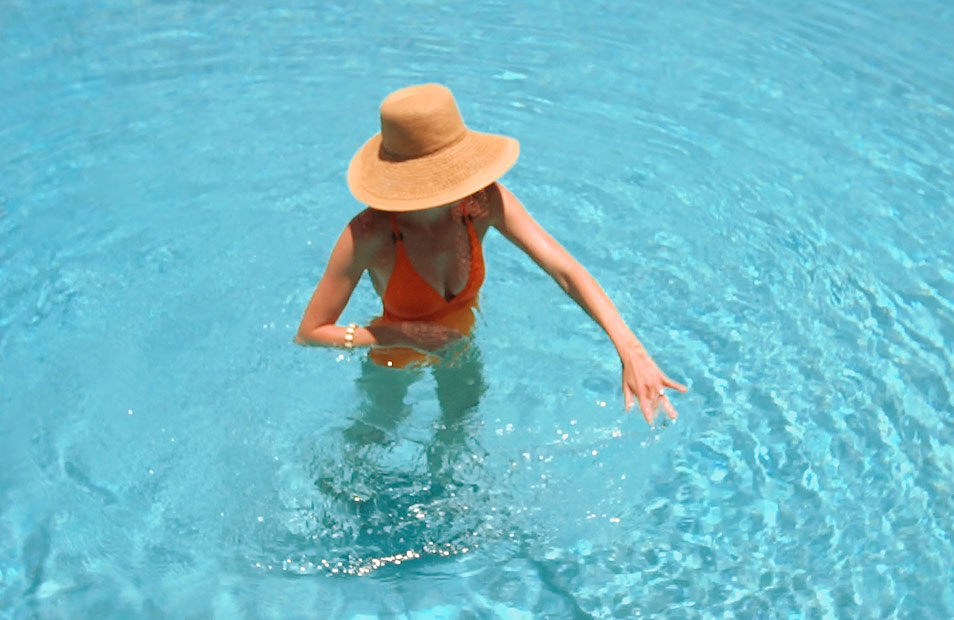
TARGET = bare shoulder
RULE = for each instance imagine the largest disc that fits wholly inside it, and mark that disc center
(369, 229)
(488, 203)
(498, 201)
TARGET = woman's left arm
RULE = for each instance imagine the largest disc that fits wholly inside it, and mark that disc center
(642, 379)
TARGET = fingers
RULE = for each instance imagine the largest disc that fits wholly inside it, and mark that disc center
(650, 401)
(645, 404)
(439, 337)
(648, 411)
(670, 410)
(651, 395)
(674, 384)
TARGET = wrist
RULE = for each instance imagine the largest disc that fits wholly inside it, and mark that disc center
(356, 336)
(349, 335)
(383, 335)
(628, 345)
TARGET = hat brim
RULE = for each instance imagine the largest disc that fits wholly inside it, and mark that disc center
(448, 175)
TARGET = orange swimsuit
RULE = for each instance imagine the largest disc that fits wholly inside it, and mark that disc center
(409, 297)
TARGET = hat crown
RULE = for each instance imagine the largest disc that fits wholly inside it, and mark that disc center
(420, 120)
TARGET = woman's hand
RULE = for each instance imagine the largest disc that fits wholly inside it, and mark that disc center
(425, 337)
(430, 337)
(642, 379)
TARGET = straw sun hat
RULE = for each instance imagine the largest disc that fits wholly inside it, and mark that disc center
(424, 155)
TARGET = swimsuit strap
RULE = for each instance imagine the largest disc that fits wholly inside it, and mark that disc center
(395, 231)
(465, 216)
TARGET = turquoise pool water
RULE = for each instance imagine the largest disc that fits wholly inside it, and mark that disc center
(765, 189)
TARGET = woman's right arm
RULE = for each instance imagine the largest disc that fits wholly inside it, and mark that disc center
(351, 256)
(345, 266)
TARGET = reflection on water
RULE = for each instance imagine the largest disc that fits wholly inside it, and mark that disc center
(378, 495)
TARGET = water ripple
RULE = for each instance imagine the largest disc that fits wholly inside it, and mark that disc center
(763, 189)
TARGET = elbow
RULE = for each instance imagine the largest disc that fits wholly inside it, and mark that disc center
(304, 336)
(565, 281)
(310, 335)
(564, 274)
(574, 280)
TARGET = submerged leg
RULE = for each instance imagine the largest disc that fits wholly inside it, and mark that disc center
(356, 479)
(460, 386)
(382, 407)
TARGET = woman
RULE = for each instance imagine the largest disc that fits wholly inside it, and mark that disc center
(431, 187)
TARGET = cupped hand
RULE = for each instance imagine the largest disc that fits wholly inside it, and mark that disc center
(643, 380)
(430, 337)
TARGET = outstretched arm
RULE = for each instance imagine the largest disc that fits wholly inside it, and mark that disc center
(642, 379)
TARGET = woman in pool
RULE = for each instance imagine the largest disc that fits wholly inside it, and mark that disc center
(432, 191)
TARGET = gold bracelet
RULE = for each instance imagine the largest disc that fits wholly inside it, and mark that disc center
(349, 335)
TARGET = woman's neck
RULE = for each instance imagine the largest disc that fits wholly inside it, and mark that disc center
(426, 219)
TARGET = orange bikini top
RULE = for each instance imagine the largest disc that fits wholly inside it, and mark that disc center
(409, 297)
